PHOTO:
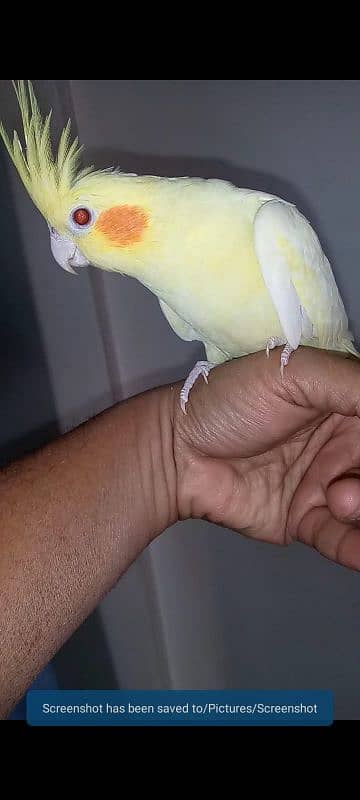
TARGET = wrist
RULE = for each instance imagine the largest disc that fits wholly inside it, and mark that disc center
(153, 420)
(204, 482)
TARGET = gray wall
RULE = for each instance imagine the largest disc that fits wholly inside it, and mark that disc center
(203, 607)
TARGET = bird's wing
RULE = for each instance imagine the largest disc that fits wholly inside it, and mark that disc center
(298, 276)
(189, 334)
(179, 326)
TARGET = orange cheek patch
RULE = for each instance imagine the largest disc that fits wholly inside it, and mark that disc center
(123, 225)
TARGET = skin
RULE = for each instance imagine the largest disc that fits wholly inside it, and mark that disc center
(276, 459)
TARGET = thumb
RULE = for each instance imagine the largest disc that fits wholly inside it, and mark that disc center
(326, 381)
(343, 498)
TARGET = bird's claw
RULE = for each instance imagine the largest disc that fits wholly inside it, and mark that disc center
(271, 343)
(201, 368)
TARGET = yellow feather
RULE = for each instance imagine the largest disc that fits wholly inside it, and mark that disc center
(47, 179)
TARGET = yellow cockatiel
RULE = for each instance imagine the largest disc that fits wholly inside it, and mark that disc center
(237, 269)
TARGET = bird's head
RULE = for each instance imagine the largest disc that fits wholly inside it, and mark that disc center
(90, 216)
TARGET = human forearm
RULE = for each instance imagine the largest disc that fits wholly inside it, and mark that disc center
(73, 517)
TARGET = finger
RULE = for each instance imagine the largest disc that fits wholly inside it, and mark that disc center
(343, 497)
(337, 541)
(247, 407)
(242, 411)
(328, 382)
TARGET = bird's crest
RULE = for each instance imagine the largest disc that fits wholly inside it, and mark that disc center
(47, 176)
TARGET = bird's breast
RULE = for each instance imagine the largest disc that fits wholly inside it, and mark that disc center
(222, 295)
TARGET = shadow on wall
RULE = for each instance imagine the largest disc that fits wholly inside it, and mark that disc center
(28, 420)
(27, 406)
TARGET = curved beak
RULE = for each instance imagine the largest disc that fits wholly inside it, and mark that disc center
(65, 252)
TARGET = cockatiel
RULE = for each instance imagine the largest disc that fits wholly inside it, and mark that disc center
(236, 269)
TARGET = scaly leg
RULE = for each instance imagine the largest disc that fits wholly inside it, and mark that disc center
(201, 368)
(285, 356)
(271, 343)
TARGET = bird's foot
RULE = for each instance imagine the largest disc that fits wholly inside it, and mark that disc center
(271, 343)
(201, 368)
(285, 356)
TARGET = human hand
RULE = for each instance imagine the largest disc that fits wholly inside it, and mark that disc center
(278, 460)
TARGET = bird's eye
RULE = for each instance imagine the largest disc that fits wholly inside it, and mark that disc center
(81, 216)
(81, 219)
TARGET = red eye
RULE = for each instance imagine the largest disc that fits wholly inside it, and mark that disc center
(81, 216)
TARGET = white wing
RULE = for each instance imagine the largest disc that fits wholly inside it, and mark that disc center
(299, 277)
